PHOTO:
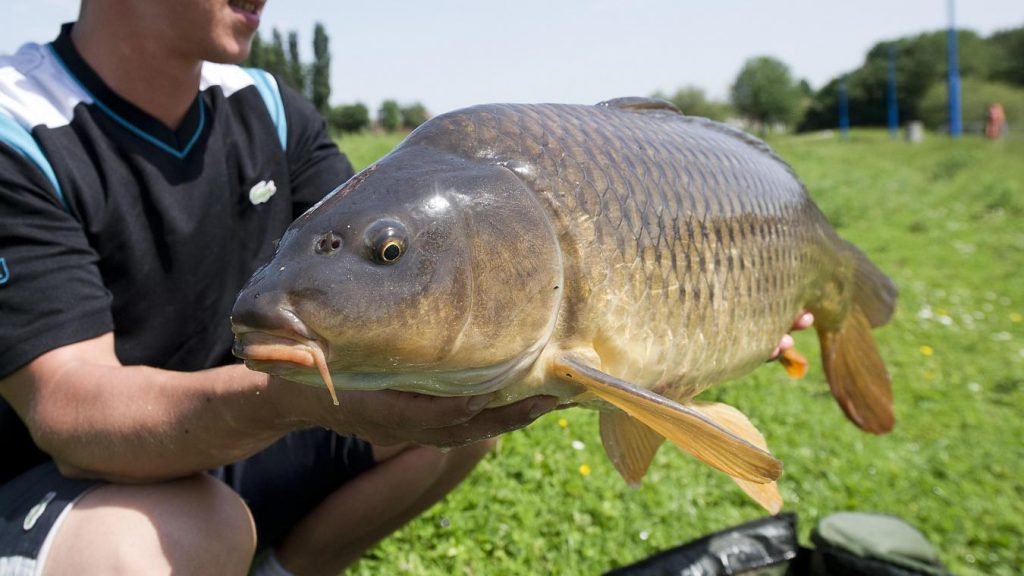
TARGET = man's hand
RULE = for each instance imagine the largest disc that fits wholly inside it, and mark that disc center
(389, 417)
(436, 421)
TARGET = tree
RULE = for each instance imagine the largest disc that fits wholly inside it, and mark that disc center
(255, 58)
(765, 92)
(274, 59)
(296, 71)
(920, 65)
(389, 116)
(1008, 65)
(413, 115)
(320, 81)
(349, 118)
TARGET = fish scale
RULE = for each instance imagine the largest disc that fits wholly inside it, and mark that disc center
(712, 185)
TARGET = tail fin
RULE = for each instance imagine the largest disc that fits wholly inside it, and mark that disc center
(854, 368)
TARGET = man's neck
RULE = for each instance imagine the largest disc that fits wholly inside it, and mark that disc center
(138, 70)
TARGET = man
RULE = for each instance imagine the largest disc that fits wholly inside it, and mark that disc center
(119, 274)
(140, 186)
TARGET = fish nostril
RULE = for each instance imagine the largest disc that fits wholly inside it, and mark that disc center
(326, 243)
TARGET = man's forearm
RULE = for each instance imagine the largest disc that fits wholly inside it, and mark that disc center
(136, 423)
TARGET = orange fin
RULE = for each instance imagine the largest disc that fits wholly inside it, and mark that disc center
(685, 427)
(630, 445)
(767, 495)
(794, 363)
(856, 373)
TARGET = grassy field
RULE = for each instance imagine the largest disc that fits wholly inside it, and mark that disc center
(946, 220)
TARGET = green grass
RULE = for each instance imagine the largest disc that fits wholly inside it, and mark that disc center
(946, 220)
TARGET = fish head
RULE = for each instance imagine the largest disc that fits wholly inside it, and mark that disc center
(425, 272)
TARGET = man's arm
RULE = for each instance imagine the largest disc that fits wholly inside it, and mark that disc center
(98, 418)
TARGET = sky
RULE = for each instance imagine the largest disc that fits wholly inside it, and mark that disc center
(447, 54)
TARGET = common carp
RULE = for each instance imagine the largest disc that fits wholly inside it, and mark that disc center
(622, 256)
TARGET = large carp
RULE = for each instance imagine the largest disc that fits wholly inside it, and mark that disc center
(621, 256)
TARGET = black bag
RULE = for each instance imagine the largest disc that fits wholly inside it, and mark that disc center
(846, 544)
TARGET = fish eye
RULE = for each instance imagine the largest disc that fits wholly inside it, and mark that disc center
(386, 241)
(391, 251)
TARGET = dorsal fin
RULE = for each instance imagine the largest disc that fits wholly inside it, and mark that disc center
(641, 104)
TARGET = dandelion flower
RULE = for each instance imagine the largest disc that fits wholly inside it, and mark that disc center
(584, 470)
(926, 350)
(1016, 317)
(563, 422)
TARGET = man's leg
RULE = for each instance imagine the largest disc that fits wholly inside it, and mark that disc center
(195, 525)
(406, 481)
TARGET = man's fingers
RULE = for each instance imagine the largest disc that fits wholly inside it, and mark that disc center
(491, 422)
(804, 321)
(410, 411)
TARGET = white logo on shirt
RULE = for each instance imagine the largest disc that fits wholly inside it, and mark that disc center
(37, 511)
(262, 191)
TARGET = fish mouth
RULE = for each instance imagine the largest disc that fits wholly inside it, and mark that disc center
(282, 354)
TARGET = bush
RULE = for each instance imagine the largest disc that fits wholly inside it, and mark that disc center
(389, 116)
(975, 95)
(348, 118)
(692, 101)
(413, 115)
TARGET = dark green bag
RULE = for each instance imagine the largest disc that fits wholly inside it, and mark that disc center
(860, 543)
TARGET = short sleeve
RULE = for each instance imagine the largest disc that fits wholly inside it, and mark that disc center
(314, 161)
(51, 292)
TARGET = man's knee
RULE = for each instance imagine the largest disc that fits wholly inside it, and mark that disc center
(195, 525)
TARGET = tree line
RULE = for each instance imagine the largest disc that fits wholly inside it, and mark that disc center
(765, 93)
(313, 81)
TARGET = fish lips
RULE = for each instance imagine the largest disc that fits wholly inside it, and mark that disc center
(272, 353)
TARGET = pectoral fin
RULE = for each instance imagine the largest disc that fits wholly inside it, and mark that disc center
(767, 495)
(685, 427)
(794, 363)
(630, 445)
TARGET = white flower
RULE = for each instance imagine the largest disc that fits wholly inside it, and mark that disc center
(577, 445)
(262, 191)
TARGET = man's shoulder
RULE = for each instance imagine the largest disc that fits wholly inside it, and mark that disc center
(35, 89)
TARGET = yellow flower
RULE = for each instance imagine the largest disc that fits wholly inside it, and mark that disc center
(563, 422)
(926, 350)
(1016, 317)
(584, 470)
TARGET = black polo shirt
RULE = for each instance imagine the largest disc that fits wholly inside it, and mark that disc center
(109, 220)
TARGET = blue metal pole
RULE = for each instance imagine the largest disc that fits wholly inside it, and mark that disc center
(955, 122)
(844, 111)
(894, 112)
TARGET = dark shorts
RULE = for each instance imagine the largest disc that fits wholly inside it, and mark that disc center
(281, 485)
